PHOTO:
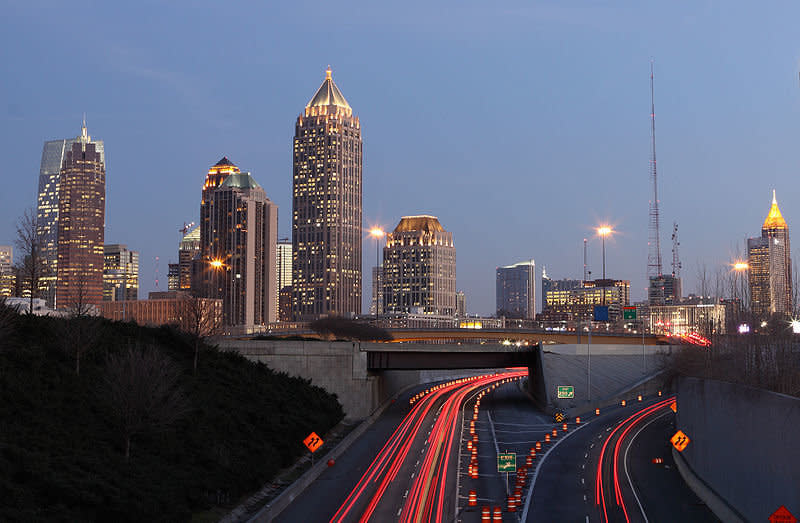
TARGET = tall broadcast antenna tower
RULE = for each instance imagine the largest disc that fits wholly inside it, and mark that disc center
(654, 242)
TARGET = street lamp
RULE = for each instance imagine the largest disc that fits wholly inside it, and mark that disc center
(603, 231)
(377, 233)
(741, 269)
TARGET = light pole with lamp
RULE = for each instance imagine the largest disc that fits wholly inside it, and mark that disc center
(377, 233)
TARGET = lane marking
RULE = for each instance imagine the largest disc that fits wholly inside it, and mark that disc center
(625, 461)
(399, 511)
(406, 495)
(583, 482)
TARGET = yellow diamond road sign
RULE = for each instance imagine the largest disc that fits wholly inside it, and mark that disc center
(680, 440)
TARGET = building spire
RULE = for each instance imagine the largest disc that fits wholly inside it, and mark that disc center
(328, 73)
(84, 132)
(774, 200)
(774, 218)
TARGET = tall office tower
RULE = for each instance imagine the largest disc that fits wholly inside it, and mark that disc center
(326, 207)
(7, 279)
(188, 250)
(775, 227)
(120, 273)
(767, 277)
(461, 304)
(376, 303)
(284, 275)
(173, 277)
(239, 233)
(81, 223)
(419, 268)
(53, 154)
(516, 290)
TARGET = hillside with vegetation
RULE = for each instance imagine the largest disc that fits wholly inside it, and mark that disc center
(108, 421)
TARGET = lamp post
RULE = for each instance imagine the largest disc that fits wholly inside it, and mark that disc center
(741, 269)
(377, 233)
(603, 231)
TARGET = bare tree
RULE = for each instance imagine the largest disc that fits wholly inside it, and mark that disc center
(79, 305)
(202, 318)
(702, 280)
(79, 335)
(31, 267)
(141, 387)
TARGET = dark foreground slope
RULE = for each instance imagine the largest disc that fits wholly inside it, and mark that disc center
(63, 440)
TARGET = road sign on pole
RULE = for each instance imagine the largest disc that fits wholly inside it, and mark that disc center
(566, 391)
(628, 313)
(680, 440)
(507, 462)
(313, 442)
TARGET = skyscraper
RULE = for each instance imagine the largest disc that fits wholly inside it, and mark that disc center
(238, 236)
(767, 277)
(6, 270)
(419, 268)
(120, 273)
(284, 274)
(516, 290)
(188, 250)
(81, 196)
(775, 227)
(326, 207)
(53, 154)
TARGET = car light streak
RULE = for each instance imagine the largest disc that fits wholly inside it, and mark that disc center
(425, 499)
(623, 428)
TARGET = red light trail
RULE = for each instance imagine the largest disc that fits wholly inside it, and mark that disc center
(426, 497)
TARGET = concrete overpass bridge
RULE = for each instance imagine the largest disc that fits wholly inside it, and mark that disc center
(364, 375)
(524, 335)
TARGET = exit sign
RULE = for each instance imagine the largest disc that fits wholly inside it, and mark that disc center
(629, 313)
(566, 391)
(507, 462)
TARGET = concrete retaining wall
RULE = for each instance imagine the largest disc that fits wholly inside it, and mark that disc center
(745, 444)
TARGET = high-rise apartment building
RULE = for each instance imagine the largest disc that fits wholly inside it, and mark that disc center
(326, 207)
(515, 292)
(81, 223)
(238, 237)
(53, 154)
(767, 277)
(120, 273)
(419, 268)
(775, 227)
(461, 304)
(173, 277)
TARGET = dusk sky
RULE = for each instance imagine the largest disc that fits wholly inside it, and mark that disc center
(520, 124)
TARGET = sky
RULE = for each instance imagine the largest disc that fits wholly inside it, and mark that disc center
(522, 125)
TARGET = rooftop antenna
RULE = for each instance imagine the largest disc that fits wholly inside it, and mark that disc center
(654, 269)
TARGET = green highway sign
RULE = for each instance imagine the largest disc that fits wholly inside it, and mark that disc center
(507, 462)
(566, 391)
(629, 313)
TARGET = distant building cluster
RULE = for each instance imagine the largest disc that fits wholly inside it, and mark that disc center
(232, 264)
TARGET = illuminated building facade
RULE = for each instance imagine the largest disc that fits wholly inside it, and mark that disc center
(664, 290)
(53, 154)
(515, 292)
(284, 275)
(173, 277)
(326, 208)
(7, 278)
(578, 304)
(188, 250)
(376, 304)
(767, 277)
(81, 223)
(549, 284)
(701, 318)
(461, 304)
(775, 227)
(120, 273)
(419, 268)
(239, 232)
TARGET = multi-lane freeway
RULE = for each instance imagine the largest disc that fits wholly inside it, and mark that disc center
(433, 456)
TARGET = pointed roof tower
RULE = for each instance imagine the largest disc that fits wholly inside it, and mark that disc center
(329, 94)
(774, 219)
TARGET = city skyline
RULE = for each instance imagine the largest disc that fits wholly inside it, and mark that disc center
(730, 93)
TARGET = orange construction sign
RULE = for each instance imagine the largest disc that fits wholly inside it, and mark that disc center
(680, 440)
(313, 442)
(782, 515)
(674, 406)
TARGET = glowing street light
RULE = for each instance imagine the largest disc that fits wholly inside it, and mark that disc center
(603, 231)
(740, 266)
(377, 233)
